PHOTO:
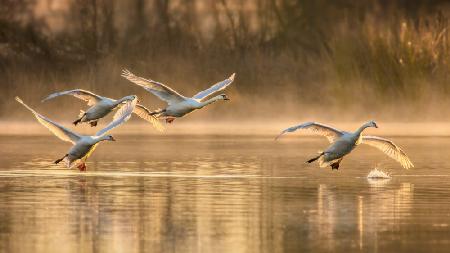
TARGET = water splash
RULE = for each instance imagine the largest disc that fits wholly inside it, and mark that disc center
(378, 174)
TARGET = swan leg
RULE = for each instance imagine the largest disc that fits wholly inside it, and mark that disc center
(315, 158)
(77, 121)
(80, 119)
(93, 123)
(59, 160)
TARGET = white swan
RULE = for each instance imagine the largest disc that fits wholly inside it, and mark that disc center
(102, 106)
(178, 105)
(342, 143)
(83, 145)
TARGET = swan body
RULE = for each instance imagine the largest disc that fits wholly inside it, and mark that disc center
(102, 106)
(83, 148)
(83, 145)
(99, 110)
(180, 109)
(177, 104)
(342, 143)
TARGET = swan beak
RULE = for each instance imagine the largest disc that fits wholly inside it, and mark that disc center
(226, 99)
(112, 139)
(376, 126)
(138, 101)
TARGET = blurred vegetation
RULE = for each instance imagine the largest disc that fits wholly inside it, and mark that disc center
(320, 56)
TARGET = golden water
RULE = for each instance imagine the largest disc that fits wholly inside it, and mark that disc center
(221, 194)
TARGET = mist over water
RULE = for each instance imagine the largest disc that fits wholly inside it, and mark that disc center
(333, 61)
(229, 128)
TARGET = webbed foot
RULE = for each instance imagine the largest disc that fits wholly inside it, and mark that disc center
(170, 120)
(335, 166)
(82, 167)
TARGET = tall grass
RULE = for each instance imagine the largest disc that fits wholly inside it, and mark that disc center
(392, 62)
(389, 65)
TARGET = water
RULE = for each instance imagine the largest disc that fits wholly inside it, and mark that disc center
(221, 194)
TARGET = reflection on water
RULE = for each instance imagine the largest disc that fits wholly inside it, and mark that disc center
(219, 194)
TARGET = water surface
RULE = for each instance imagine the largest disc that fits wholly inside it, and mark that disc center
(221, 194)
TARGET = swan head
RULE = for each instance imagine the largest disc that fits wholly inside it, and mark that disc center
(372, 123)
(131, 97)
(224, 97)
(109, 138)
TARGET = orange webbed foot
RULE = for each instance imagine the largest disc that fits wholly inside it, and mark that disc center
(82, 167)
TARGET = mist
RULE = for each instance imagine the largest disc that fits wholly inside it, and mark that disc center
(332, 61)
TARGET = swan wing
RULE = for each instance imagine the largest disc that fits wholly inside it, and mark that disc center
(158, 89)
(145, 114)
(390, 149)
(121, 116)
(85, 95)
(317, 128)
(215, 88)
(58, 130)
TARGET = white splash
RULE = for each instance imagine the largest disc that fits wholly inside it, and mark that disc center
(378, 174)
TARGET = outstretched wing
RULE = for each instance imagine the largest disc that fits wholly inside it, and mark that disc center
(317, 128)
(121, 116)
(58, 130)
(145, 114)
(85, 95)
(390, 149)
(158, 89)
(215, 88)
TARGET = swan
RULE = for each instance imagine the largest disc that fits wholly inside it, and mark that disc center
(83, 145)
(342, 143)
(102, 106)
(178, 105)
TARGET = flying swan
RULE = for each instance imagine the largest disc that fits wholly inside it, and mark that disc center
(178, 105)
(342, 143)
(102, 106)
(83, 145)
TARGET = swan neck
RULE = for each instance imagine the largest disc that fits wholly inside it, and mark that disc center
(119, 101)
(361, 129)
(102, 138)
(210, 101)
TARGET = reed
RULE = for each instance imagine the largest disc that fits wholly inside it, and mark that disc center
(332, 63)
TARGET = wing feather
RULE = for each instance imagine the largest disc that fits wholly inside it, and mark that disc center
(85, 95)
(158, 89)
(121, 116)
(215, 88)
(58, 130)
(317, 128)
(390, 149)
(145, 114)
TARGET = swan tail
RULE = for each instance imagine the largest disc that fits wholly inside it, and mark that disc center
(81, 114)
